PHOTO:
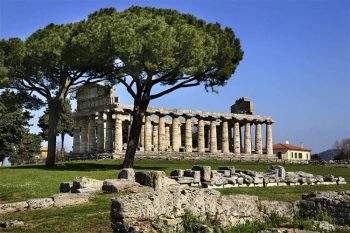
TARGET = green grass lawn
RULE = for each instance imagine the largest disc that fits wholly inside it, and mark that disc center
(35, 181)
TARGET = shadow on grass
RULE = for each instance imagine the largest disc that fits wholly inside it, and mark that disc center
(84, 167)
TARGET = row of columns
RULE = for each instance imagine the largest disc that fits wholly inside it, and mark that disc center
(103, 132)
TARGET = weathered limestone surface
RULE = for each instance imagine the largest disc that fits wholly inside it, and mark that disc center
(156, 179)
(201, 140)
(123, 185)
(155, 137)
(141, 212)
(213, 137)
(86, 185)
(162, 141)
(269, 145)
(188, 135)
(335, 203)
(258, 139)
(286, 209)
(118, 134)
(40, 203)
(13, 207)
(225, 138)
(161, 211)
(237, 139)
(205, 172)
(68, 199)
(247, 139)
(11, 224)
(127, 173)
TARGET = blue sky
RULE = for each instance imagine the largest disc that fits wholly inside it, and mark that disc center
(296, 66)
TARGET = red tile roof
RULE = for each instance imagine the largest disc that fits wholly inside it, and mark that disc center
(289, 147)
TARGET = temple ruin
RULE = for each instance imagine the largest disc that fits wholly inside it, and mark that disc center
(102, 124)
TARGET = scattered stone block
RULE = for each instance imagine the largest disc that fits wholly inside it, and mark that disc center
(68, 199)
(271, 185)
(11, 224)
(258, 180)
(304, 174)
(86, 185)
(65, 187)
(279, 170)
(231, 180)
(177, 172)
(151, 178)
(228, 168)
(40, 203)
(123, 185)
(13, 207)
(240, 180)
(127, 173)
(184, 180)
(225, 173)
(205, 172)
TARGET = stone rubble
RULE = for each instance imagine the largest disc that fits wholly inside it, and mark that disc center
(228, 176)
(162, 210)
(11, 224)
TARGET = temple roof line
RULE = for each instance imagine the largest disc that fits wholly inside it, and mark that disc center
(194, 113)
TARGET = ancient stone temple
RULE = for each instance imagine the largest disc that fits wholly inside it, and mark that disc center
(102, 124)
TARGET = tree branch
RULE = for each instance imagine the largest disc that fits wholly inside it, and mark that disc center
(180, 85)
(128, 87)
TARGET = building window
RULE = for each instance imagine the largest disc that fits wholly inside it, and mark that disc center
(300, 155)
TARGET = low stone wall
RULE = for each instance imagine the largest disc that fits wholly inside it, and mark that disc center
(336, 204)
(163, 210)
(57, 200)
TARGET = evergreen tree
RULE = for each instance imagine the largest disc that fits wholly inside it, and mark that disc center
(65, 124)
(16, 142)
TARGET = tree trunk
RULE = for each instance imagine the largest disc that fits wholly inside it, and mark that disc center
(62, 146)
(140, 108)
(3, 161)
(55, 109)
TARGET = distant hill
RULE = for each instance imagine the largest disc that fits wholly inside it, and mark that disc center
(328, 154)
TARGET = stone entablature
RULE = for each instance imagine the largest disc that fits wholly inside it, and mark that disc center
(99, 128)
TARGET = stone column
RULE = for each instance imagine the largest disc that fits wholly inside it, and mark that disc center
(92, 134)
(225, 138)
(247, 139)
(167, 136)
(213, 138)
(237, 138)
(269, 149)
(76, 136)
(201, 139)
(188, 135)
(258, 139)
(179, 135)
(109, 134)
(118, 134)
(175, 134)
(148, 134)
(142, 136)
(161, 137)
(230, 135)
(101, 132)
(84, 136)
(155, 137)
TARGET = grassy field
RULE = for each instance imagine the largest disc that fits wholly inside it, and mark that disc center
(35, 181)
